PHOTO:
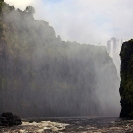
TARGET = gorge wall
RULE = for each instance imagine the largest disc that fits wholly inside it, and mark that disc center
(41, 75)
(126, 87)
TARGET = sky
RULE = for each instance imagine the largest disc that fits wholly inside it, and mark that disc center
(84, 21)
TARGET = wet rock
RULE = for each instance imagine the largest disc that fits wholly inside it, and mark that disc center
(4, 121)
(8, 119)
(17, 120)
(126, 87)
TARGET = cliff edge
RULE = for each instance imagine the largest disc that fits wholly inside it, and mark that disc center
(126, 87)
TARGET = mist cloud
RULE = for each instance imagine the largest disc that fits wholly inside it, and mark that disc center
(57, 78)
(85, 21)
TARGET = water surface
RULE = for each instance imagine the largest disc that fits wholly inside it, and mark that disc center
(72, 125)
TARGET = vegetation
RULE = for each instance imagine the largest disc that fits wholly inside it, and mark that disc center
(30, 10)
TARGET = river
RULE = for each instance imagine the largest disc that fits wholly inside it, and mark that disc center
(72, 125)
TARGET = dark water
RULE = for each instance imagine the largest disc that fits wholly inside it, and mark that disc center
(72, 125)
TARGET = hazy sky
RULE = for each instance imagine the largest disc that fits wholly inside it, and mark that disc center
(85, 21)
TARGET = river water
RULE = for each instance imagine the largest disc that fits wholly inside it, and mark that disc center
(72, 125)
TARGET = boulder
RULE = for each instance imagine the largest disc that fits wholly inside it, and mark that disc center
(8, 119)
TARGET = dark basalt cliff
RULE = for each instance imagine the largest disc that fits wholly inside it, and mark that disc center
(126, 87)
(41, 75)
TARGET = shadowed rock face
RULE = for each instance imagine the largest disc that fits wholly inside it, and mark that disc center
(126, 87)
(41, 75)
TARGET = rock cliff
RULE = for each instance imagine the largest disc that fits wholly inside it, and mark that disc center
(41, 75)
(126, 87)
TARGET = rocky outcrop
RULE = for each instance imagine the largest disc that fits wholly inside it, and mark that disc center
(126, 87)
(8, 119)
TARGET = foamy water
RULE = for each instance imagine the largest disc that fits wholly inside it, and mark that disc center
(72, 125)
